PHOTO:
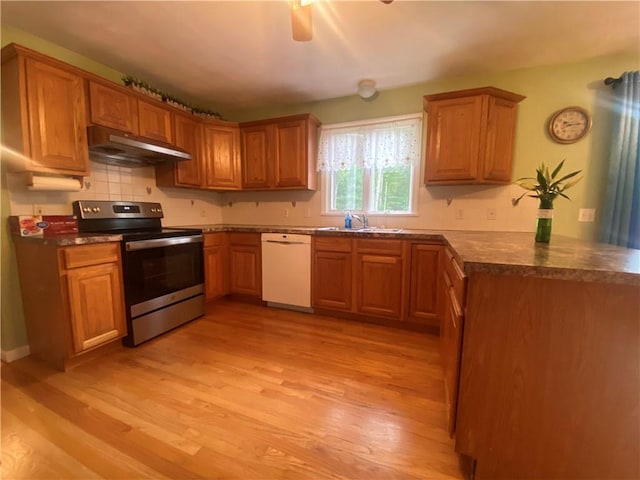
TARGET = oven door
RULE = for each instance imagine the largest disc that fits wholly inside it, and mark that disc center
(161, 272)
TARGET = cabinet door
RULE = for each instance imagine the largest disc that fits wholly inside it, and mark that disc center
(96, 305)
(188, 173)
(453, 139)
(498, 154)
(255, 156)
(221, 157)
(112, 108)
(245, 272)
(451, 338)
(154, 122)
(215, 265)
(57, 120)
(290, 165)
(332, 280)
(425, 269)
(379, 285)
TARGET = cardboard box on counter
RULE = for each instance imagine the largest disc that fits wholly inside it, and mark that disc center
(43, 225)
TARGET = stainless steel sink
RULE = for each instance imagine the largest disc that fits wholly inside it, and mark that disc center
(360, 230)
(377, 230)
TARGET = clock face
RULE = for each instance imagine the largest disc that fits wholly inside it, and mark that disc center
(569, 125)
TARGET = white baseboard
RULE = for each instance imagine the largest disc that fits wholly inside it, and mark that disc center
(9, 356)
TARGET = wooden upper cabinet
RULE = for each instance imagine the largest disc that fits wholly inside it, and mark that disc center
(256, 155)
(221, 156)
(154, 122)
(43, 114)
(113, 108)
(189, 137)
(470, 136)
(280, 153)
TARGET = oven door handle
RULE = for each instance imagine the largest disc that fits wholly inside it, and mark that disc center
(161, 242)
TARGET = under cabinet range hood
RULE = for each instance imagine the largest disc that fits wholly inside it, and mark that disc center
(114, 147)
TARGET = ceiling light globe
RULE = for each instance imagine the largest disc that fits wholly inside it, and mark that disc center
(367, 88)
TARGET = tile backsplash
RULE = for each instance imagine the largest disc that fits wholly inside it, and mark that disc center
(106, 182)
(440, 208)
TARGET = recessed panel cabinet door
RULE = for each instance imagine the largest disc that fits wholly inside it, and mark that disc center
(425, 267)
(245, 275)
(255, 156)
(113, 108)
(453, 141)
(188, 137)
(291, 154)
(96, 305)
(332, 280)
(57, 119)
(379, 286)
(222, 160)
(154, 122)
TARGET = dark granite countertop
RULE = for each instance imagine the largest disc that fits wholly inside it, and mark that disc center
(497, 252)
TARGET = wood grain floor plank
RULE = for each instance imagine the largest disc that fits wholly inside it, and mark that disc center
(244, 392)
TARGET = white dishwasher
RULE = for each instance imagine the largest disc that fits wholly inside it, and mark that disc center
(286, 270)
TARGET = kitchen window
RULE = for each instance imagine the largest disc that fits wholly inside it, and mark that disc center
(371, 166)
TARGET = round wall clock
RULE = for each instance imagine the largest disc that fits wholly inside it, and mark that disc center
(569, 124)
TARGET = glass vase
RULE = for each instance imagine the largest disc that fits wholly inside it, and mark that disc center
(545, 219)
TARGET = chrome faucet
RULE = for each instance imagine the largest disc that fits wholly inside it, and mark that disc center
(362, 218)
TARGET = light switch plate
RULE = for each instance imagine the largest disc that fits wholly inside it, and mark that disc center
(586, 214)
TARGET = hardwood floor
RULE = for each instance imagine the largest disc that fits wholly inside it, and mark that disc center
(245, 392)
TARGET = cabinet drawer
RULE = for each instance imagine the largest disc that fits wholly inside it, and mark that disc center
(456, 276)
(332, 244)
(376, 245)
(252, 239)
(214, 239)
(85, 255)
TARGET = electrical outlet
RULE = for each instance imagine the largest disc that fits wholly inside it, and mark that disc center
(285, 213)
(586, 214)
(491, 213)
(38, 209)
(203, 213)
(459, 214)
(307, 213)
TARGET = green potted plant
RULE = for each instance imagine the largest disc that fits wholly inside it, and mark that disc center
(547, 189)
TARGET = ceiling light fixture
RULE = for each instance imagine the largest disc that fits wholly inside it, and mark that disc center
(367, 88)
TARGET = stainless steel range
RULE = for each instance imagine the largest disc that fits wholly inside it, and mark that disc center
(163, 270)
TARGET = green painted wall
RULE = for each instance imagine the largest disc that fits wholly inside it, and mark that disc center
(547, 89)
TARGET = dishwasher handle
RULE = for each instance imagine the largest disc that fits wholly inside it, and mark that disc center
(285, 242)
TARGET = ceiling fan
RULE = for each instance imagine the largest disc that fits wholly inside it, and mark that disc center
(301, 25)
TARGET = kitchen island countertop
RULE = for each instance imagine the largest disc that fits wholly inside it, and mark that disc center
(510, 253)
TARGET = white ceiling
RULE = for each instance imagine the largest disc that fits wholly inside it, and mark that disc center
(234, 55)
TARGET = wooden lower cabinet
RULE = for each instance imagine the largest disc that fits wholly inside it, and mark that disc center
(387, 280)
(332, 273)
(453, 290)
(216, 254)
(380, 278)
(549, 378)
(245, 264)
(424, 287)
(73, 298)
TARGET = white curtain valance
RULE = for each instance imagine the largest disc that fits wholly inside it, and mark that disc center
(380, 145)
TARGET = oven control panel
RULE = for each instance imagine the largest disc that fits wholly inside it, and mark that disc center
(86, 209)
